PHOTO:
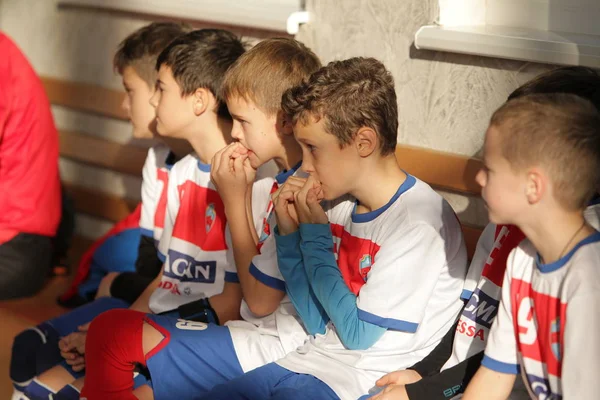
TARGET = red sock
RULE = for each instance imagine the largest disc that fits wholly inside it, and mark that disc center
(113, 348)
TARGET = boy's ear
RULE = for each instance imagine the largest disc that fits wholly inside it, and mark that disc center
(366, 141)
(537, 185)
(200, 100)
(284, 123)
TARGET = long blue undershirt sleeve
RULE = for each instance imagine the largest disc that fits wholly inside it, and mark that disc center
(289, 260)
(330, 289)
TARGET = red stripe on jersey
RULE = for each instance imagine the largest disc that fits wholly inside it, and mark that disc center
(496, 264)
(161, 207)
(201, 217)
(266, 227)
(540, 324)
(355, 256)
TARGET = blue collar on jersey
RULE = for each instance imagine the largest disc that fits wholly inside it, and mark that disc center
(595, 200)
(546, 268)
(371, 215)
(284, 175)
(203, 167)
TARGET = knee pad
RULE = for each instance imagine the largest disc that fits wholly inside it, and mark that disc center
(112, 350)
(26, 348)
(38, 391)
(69, 392)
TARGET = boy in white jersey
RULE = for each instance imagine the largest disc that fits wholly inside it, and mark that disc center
(37, 350)
(448, 369)
(210, 350)
(552, 282)
(376, 271)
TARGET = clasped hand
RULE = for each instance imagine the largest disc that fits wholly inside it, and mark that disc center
(297, 201)
(231, 172)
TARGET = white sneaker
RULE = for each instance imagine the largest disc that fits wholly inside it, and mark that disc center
(18, 395)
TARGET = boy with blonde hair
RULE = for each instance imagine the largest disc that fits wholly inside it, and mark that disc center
(269, 329)
(375, 275)
(551, 285)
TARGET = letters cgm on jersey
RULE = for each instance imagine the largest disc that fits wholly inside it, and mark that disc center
(481, 308)
(186, 269)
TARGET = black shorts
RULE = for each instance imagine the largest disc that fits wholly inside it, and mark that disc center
(25, 264)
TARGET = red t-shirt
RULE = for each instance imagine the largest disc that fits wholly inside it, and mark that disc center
(29, 181)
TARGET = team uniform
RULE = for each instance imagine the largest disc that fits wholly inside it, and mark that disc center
(543, 312)
(36, 349)
(155, 179)
(214, 354)
(482, 294)
(193, 245)
(415, 241)
(159, 162)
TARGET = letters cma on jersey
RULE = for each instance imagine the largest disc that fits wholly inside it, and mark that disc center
(200, 224)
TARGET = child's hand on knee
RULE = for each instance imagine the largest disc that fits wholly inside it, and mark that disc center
(403, 377)
(72, 348)
(392, 392)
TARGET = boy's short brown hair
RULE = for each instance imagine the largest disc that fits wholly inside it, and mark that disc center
(350, 94)
(558, 131)
(199, 59)
(141, 49)
(267, 70)
(581, 81)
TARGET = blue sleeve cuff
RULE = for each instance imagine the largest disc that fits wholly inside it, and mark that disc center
(466, 294)
(161, 256)
(308, 231)
(266, 279)
(287, 241)
(147, 232)
(500, 366)
(390, 323)
(231, 277)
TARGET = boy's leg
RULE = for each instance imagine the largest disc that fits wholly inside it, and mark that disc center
(272, 382)
(303, 386)
(197, 355)
(113, 349)
(71, 391)
(35, 350)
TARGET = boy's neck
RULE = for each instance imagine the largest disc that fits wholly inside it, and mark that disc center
(179, 147)
(211, 138)
(291, 155)
(377, 184)
(554, 234)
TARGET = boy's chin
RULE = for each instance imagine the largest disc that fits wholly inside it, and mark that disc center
(142, 134)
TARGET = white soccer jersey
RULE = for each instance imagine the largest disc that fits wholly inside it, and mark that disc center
(195, 244)
(155, 178)
(261, 340)
(542, 319)
(406, 263)
(476, 319)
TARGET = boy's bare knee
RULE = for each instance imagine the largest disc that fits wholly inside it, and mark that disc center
(78, 384)
(56, 378)
(150, 338)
